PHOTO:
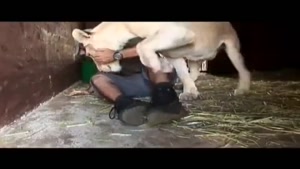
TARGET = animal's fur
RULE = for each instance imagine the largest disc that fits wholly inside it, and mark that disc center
(194, 41)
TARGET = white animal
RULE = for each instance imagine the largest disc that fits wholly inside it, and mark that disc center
(194, 41)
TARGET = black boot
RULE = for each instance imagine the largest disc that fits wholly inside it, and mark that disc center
(165, 99)
(165, 106)
(129, 111)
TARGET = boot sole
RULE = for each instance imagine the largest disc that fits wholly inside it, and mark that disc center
(134, 116)
(156, 117)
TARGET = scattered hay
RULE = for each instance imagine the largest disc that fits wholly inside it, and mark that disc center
(270, 110)
(268, 116)
(241, 129)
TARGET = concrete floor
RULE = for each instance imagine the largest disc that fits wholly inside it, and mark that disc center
(83, 121)
(267, 117)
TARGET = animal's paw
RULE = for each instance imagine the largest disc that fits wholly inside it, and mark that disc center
(105, 68)
(238, 92)
(188, 96)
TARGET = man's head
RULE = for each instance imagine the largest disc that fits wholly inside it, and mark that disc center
(92, 41)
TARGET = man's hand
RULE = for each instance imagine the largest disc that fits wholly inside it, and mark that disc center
(101, 56)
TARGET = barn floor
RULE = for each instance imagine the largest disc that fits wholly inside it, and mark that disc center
(269, 116)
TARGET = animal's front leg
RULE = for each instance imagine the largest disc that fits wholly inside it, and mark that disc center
(190, 90)
(164, 39)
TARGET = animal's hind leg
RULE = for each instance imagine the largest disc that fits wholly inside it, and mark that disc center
(237, 60)
(194, 67)
(163, 40)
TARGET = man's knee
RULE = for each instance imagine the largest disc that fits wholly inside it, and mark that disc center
(160, 77)
(100, 79)
(99, 84)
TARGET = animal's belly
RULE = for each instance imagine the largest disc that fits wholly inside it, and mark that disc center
(207, 55)
(192, 53)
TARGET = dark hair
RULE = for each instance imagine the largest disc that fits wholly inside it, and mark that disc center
(133, 42)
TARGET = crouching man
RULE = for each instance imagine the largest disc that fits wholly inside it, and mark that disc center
(134, 81)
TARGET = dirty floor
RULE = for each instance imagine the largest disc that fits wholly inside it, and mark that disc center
(268, 116)
(83, 121)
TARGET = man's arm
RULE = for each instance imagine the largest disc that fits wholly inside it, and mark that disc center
(104, 56)
(129, 53)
